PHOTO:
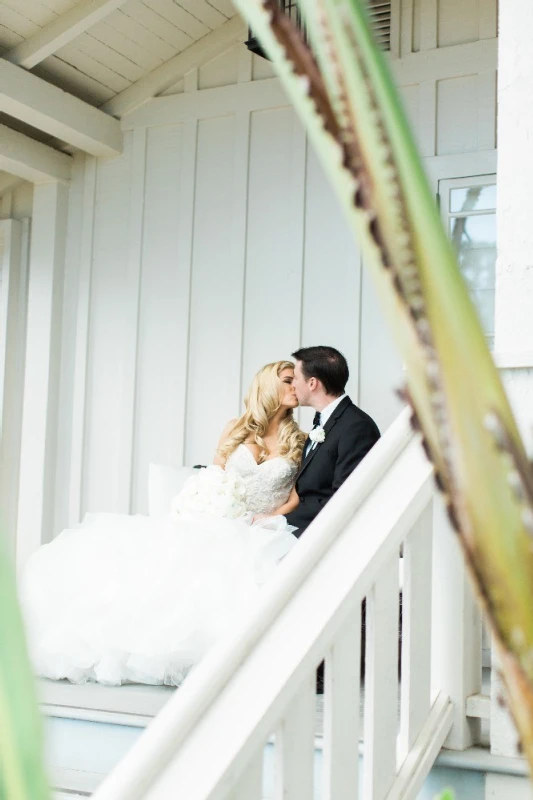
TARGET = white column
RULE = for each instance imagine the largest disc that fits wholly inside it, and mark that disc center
(455, 632)
(514, 272)
(12, 332)
(41, 375)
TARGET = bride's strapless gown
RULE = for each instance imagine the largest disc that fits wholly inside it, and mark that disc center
(137, 599)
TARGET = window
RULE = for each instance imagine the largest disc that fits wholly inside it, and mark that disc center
(468, 207)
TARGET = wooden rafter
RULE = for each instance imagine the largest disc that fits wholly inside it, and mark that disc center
(161, 78)
(61, 31)
(31, 160)
(47, 108)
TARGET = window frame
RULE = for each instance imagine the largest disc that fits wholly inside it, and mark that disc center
(445, 185)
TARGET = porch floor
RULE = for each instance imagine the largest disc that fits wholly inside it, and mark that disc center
(137, 704)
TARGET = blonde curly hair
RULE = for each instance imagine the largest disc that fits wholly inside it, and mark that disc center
(262, 402)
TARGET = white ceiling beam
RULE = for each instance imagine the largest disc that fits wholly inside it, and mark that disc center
(8, 182)
(47, 108)
(61, 31)
(163, 77)
(31, 160)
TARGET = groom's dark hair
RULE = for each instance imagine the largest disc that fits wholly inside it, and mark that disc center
(327, 365)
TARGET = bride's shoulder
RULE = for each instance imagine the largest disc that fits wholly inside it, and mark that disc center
(225, 435)
(227, 432)
(228, 429)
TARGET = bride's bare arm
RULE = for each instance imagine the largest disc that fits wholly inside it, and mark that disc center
(290, 505)
(225, 435)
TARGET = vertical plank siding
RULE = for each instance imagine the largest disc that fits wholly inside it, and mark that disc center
(214, 244)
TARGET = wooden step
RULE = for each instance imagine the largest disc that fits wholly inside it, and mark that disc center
(131, 704)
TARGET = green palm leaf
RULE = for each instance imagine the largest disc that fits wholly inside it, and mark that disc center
(21, 768)
(345, 96)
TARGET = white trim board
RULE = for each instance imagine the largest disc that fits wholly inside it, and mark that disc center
(478, 706)
(206, 103)
(64, 699)
(520, 360)
(101, 716)
(71, 783)
(427, 66)
(479, 759)
(459, 165)
(131, 301)
(8, 182)
(38, 103)
(446, 62)
(41, 367)
(13, 266)
(28, 159)
(83, 313)
(247, 97)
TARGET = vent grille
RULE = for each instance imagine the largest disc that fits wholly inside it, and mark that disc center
(380, 17)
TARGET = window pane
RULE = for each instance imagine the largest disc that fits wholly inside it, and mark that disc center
(473, 198)
(475, 241)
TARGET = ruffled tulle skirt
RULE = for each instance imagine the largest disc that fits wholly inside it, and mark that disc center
(136, 599)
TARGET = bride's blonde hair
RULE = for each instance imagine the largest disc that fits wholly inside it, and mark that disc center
(262, 402)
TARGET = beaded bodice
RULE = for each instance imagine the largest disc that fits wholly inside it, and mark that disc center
(268, 485)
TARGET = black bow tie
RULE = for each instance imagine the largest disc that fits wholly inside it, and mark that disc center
(316, 419)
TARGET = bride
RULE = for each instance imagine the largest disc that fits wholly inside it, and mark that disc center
(137, 599)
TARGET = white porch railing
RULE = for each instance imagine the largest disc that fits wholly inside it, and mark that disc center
(488, 705)
(208, 741)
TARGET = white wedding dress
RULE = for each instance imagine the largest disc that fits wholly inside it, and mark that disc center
(137, 599)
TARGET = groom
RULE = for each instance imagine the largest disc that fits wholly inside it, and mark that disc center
(342, 433)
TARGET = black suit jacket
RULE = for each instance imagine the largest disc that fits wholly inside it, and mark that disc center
(350, 433)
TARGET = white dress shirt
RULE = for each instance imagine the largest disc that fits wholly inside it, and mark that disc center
(325, 414)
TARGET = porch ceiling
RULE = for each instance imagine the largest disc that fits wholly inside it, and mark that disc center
(101, 51)
(120, 42)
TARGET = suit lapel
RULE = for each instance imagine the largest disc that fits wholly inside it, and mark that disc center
(339, 411)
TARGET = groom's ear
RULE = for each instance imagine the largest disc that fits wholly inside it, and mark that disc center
(313, 383)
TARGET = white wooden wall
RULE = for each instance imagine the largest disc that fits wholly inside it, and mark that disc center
(214, 245)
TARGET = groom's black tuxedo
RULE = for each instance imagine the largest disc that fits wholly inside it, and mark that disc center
(350, 433)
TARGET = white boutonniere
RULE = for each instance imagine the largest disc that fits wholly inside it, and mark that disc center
(317, 435)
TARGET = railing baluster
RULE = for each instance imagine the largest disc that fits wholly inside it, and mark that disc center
(381, 683)
(416, 631)
(504, 740)
(456, 627)
(254, 679)
(250, 785)
(341, 713)
(295, 746)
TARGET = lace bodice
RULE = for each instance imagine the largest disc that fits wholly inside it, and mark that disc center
(268, 484)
